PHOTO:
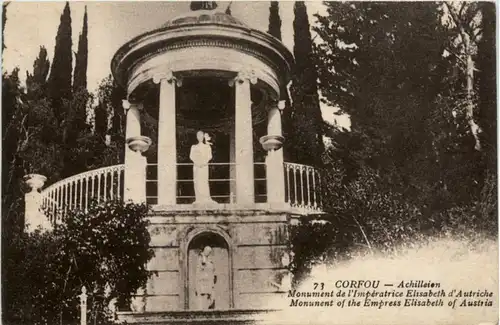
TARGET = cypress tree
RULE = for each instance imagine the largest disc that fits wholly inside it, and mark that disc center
(59, 85)
(80, 74)
(101, 119)
(274, 20)
(12, 171)
(116, 95)
(306, 141)
(77, 118)
(36, 83)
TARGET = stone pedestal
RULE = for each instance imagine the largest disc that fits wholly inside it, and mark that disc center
(136, 188)
(133, 161)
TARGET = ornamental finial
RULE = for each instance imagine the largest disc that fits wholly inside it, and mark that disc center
(203, 5)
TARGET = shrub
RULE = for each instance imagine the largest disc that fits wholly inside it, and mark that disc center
(105, 249)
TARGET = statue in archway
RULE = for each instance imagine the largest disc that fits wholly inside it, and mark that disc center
(200, 155)
(206, 279)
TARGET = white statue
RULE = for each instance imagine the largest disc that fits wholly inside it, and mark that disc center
(200, 155)
(205, 280)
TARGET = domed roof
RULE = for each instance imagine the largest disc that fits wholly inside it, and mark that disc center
(200, 17)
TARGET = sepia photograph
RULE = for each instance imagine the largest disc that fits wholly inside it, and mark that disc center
(249, 162)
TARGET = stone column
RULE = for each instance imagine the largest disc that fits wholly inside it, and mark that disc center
(33, 217)
(133, 162)
(272, 143)
(232, 167)
(167, 147)
(244, 138)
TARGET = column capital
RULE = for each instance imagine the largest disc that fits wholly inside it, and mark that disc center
(278, 105)
(126, 104)
(168, 76)
(244, 75)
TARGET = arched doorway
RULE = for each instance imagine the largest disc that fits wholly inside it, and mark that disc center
(208, 272)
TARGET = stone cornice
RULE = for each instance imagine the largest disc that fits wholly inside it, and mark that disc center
(203, 60)
(202, 43)
(240, 33)
(252, 42)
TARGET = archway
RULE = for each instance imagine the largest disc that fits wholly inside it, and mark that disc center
(208, 272)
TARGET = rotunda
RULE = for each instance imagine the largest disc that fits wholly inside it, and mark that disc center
(206, 70)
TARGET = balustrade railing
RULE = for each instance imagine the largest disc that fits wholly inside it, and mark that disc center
(222, 183)
(302, 184)
(302, 187)
(76, 192)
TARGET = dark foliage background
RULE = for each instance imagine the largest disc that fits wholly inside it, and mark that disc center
(409, 168)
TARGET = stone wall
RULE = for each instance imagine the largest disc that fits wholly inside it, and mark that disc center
(256, 242)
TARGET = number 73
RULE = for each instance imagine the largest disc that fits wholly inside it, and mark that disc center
(320, 285)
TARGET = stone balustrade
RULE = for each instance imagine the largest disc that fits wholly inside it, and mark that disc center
(302, 189)
(78, 191)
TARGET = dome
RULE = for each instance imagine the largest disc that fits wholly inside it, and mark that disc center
(202, 43)
(200, 17)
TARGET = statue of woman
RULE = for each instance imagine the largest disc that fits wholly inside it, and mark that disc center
(206, 279)
(200, 155)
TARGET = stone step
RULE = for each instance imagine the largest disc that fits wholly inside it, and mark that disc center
(212, 317)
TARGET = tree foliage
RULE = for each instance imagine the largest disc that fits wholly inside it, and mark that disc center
(363, 215)
(80, 74)
(59, 87)
(36, 83)
(487, 107)
(463, 21)
(274, 20)
(42, 124)
(407, 169)
(304, 120)
(109, 120)
(12, 166)
(384, 66)
(105, 249)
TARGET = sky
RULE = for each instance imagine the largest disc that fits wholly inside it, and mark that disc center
(112, 23)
